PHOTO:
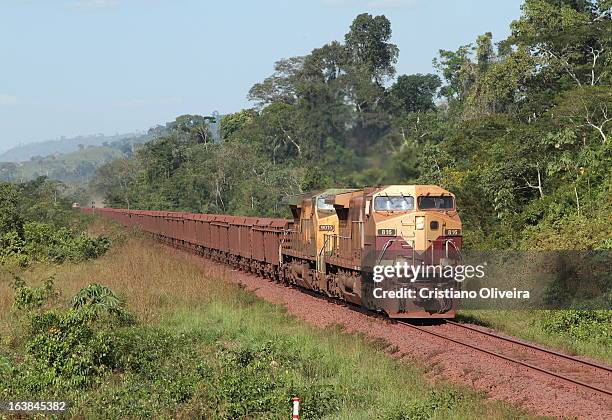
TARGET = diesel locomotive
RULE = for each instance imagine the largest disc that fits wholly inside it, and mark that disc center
(332, 244)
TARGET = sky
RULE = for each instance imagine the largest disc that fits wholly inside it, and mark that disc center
(76, 67)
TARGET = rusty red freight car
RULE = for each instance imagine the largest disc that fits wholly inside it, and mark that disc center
(248, 242)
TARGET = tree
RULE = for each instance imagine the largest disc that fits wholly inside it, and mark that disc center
(280, 87)
(458, 71)
(569, 37)
(371, 61)
(235, 122)
(10, 217)
(588, 106)
(502, 86)
(484, 51)
(369, 49)
(281, 140)
(193, 127)
(114, 181)
(415, 92)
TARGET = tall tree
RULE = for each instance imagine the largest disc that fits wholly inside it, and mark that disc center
(571, 37)
(367, 43)
(280, 87)
(416, 92)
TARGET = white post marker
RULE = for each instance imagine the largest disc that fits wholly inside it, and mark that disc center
(296, 408)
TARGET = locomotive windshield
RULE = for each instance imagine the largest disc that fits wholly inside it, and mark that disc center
(436, 202)
(393, 203)
(322, 205)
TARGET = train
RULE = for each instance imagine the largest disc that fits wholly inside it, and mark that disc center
(332, 244)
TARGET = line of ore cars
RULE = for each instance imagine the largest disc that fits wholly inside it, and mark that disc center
(332, 243)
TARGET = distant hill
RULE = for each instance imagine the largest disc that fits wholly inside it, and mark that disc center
(75, 167)
(64, 145)
(75, 160)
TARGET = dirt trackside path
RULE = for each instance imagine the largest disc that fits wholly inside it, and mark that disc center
(501, 380)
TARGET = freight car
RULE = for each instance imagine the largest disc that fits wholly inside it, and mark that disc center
(331, 245)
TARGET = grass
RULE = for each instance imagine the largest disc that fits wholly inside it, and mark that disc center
(529, 326)
(204, 347)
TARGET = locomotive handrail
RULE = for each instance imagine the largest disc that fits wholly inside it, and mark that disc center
(454, 246)
(384, 249)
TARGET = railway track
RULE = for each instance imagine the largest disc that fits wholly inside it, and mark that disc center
(544, 358)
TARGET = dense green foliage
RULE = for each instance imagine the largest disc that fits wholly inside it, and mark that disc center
(37, 224)
(593, 326)
(518, 130)
(65, 349)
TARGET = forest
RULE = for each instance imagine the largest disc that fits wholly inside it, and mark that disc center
(518, 130)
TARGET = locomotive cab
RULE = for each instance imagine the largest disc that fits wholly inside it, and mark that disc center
(408, 224)
(417, 223)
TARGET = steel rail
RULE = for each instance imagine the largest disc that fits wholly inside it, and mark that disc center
(510, 359)
(533, 346)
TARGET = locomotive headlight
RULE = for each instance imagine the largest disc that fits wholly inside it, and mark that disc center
(419, 222)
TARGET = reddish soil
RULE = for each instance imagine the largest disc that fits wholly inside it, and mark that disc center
(441, 360)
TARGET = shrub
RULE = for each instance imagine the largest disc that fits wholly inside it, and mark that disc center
(100, 301)
(44, 241)
(28, 298)
(159, 371)
(258, 380)
(437, 404)
(580, 325)
(13, 249)
(66, 349)
(251, 381)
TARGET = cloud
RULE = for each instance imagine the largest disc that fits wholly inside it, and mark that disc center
(93, 4)
(7, 99)
(374, 4)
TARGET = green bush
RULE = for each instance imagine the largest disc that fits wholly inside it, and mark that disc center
(159, 370)
(437, 404)
(44, 241)
(13, 249)
(65, 349)
(27, 298)
(37, 224)
(251, 381)
(260, 380)
(579, 325)
(100, 302)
